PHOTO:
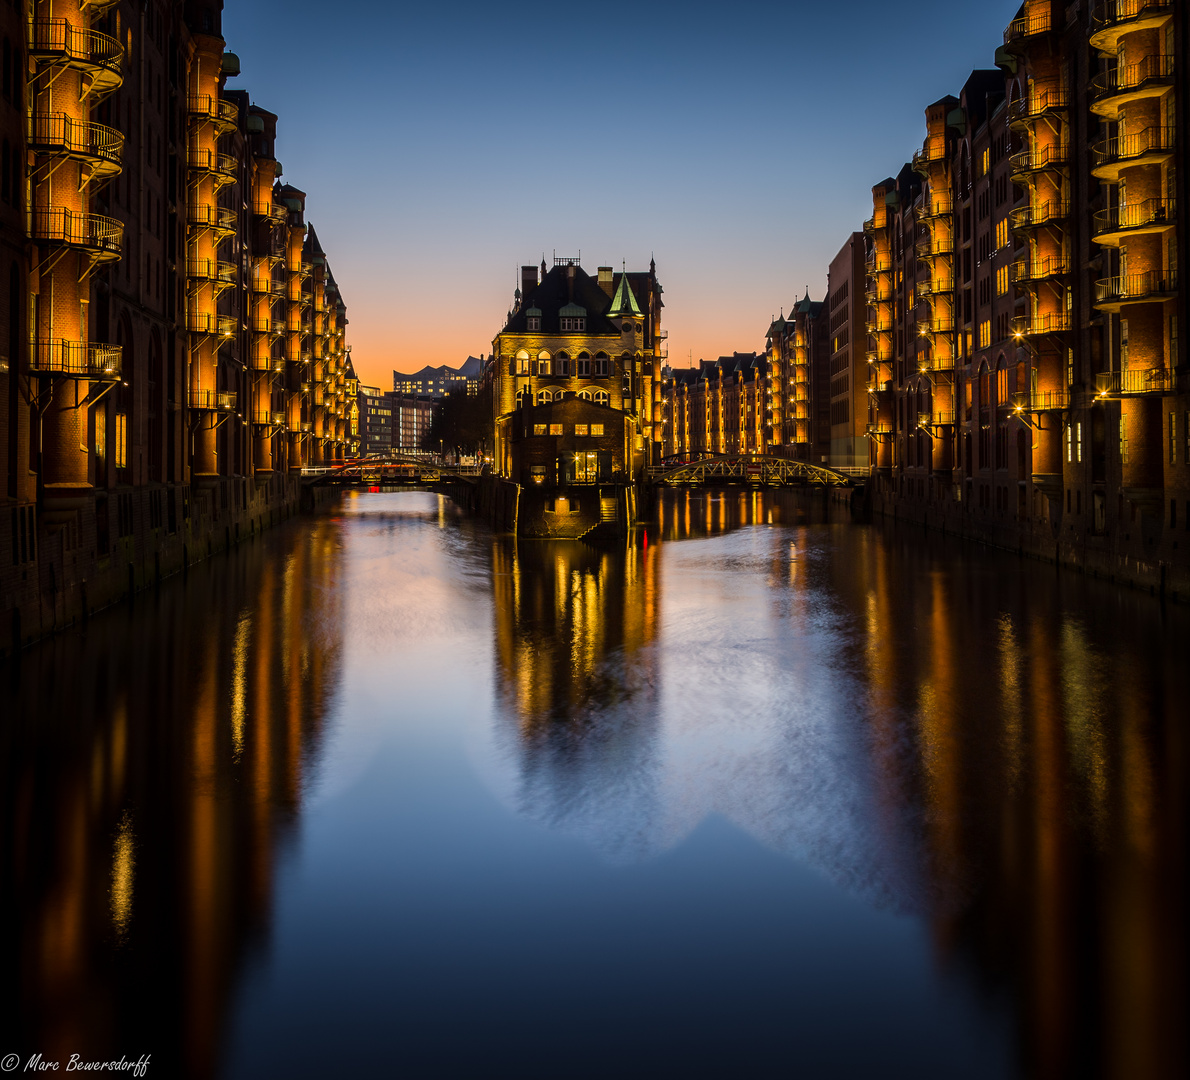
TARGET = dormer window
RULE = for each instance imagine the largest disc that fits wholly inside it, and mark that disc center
(533, 318)
(573, 317)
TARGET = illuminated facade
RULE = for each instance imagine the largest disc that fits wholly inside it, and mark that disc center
(174, 340)
(575, 392)
(727, 406)
(1025, 383)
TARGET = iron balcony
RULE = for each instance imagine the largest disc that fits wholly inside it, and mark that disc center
(76, 359)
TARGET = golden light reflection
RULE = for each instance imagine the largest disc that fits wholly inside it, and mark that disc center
(123, 874)
(239, 683)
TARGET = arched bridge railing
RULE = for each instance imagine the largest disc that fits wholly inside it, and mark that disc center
(750, 469)
(389, 469)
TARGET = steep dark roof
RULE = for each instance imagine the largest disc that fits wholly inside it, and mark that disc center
(552, 294)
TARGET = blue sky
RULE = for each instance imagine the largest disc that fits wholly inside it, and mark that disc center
(441, 146)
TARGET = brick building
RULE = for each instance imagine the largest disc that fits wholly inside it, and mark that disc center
(174, 339)
(1045, 403)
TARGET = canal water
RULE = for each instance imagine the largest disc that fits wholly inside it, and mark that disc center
(765, 793)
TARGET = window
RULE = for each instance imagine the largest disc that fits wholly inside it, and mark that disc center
(543, 367)
(602, 365)
(585, 394)
(1069, 367)
(1002, 233)
(533, 322)
(582, 366)
(1002, 385)
(1002, 281)
(539, 429)
(1123, 344)
(580, 429)
(1078, 442)
(1070, 441)
(100, 440)
(544, 397)
(555, 429)
(562, 364)
(571, 324)
(522, 363)
(1173, 438)
(985, 333)
(1123, 440)
(596, 429)
(601, 397)
(121, 440)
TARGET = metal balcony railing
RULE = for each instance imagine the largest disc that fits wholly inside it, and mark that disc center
(211, 270)
(1148, 214)
(224, 166)
(220, 218)
(1039, 269)
(201, 322)
(933, 151)
(933, 247)
(269, 418)
(1027, 26)
(935, 208)
(102, 236)
(1135, 287)
(1122, 148)
(935, 325)
(1039, 103)
(100, 146)
(1039, 160)
(1041, 401)
(1109, 14)
(223, 114)
(1050, 323)
(76, 359)
(98, 56)
(1134, 381)
(1046, 213)
(215, 400)
(1157, 69)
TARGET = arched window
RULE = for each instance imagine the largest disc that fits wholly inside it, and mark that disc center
(1002, 381)
(562, 364)
(543, 362)
(522, 363)
(601, 397)
(584, 394)
(601, 365)
(523, 397)
(544, 397)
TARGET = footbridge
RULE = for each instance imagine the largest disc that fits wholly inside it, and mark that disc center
(712, 470)
(389, 471)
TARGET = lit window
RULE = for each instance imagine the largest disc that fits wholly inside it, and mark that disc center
(1002, 234)
(539, 429)
(1002, 281)
(596, 429)
(555, 429)
(581, 429)
(121, 440)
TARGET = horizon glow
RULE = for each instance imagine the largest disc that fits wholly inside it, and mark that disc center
(441, 149)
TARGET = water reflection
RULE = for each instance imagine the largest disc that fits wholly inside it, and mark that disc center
(949, 733)
(984, 747)
(153, 767)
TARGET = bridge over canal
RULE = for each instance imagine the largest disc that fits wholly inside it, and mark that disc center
(713, 470)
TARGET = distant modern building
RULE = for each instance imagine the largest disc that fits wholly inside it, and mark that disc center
(375, 420)
(411, 420)
(437, 382)
(847, 310)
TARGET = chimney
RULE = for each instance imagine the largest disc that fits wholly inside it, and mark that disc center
(528, 280)
(605, 280)
(570, 282)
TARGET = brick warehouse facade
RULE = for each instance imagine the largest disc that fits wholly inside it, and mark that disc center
(174, 338)
(1026, 385)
